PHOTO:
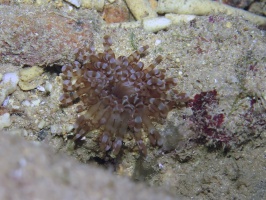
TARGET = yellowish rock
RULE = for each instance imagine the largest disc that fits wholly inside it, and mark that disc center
(154, 4)
(141, 9)
(30, 73)
(93, 4)
(30, 77)
(228, 25)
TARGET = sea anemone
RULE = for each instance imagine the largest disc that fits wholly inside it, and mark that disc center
(117, 95)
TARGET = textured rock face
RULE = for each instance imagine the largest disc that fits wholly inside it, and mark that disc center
(221, 53)
(38, 36)
(32, 171)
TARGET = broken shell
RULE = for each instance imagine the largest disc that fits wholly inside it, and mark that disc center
(75, 3)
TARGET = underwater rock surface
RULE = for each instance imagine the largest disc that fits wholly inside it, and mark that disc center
(219, 62)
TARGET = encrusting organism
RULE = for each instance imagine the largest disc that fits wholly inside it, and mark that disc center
(118, 94)
(207, 124)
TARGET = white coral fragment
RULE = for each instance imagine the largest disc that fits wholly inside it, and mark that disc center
(156, 24)
(205, 7)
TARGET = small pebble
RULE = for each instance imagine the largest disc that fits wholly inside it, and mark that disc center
(41, 124)
(26, 103)
(69, 127)
(55, 129)
(157, 42)
(115, 14)
(5, 120)
(6, 101)
(228, 25)
(35, 102)
(48, 86)
(40, 88)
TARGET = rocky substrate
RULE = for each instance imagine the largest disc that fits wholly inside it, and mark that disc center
(212, 148)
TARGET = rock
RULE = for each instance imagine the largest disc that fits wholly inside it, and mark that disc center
(258, 8)
(239, 3)
(115, 13)
(141, 9)
(42, 37)
(30, 77)
(8, 85)
(33, 171)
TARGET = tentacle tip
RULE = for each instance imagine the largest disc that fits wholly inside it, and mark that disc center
(142, 147)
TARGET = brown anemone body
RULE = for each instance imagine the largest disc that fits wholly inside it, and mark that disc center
(117, 93)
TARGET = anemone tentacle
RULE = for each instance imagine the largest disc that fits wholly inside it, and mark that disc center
(117, 93)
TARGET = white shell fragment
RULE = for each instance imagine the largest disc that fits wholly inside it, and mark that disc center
(41, 124)
(30, 77)
(40, 88)
(156, 24)
(31, 103)
(157, 42)
(48, 86)
(76, 3)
